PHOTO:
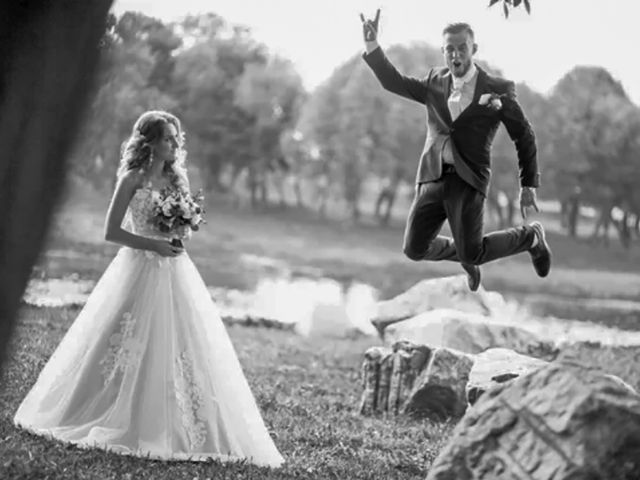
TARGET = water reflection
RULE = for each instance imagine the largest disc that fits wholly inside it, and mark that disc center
(317, 306)
(561, 331)
(327, 307)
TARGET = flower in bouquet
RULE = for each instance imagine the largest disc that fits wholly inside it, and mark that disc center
(177, 211)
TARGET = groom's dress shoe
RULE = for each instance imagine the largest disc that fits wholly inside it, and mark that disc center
(541, 253)
(473, 276)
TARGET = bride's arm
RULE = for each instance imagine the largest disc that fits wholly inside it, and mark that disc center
(113, 231)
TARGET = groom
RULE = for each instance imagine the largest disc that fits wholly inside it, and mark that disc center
(465, 106)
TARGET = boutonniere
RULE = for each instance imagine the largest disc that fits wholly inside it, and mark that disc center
(491, 100)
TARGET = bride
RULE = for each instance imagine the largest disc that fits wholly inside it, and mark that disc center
(147, 368)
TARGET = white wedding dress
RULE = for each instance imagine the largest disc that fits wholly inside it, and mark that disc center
(148, 369)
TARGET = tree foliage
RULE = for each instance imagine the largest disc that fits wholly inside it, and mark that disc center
(245, 110)
(361, 130)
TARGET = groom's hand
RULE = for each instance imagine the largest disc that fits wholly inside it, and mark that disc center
(527, 200)
(370, 27)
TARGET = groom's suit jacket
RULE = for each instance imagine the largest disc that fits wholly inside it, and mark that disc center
(472, 132)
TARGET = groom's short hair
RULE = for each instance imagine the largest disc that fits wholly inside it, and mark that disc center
(459, 27)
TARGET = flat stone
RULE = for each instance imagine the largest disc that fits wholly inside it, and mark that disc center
(448, 292)
(468, 332)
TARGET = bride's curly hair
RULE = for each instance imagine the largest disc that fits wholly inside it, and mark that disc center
(136, 150)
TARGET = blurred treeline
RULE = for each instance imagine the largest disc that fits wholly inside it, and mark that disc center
(252, 128)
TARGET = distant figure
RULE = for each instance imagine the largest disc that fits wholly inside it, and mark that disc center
(465, 107)
(147, 368)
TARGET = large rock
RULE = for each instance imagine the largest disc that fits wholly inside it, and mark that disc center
(468, 332)
(416, 380)
(497, 366)
(439, 391)
(371, 379)
(448, 292)
(560, 422)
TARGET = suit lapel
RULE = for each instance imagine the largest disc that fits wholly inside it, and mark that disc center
(481, 83)
(446, 88)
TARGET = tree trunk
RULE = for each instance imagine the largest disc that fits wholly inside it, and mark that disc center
(624, 232)
(263, 188)
(573, 214)
(212, 175)
(257, 185)
(603, 222)
(354, 206)
(253, 185)
(49, 54)
(390, 202)
(297, 190)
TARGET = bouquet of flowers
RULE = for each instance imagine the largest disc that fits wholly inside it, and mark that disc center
(177, 212)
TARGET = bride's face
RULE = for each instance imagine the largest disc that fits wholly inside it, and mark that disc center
(166, 147)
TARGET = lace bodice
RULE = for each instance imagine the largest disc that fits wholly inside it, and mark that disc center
(139, 214)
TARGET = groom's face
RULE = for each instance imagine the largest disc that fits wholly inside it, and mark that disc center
(458, 50)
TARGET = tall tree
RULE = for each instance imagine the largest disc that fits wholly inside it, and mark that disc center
(135, 71)
(206, 74)
(49, 54)
(366, 133)
(271, 93)
(595, 137)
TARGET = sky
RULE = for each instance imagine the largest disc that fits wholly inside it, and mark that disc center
(537, 49)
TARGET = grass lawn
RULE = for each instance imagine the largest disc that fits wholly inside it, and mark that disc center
(307, 389)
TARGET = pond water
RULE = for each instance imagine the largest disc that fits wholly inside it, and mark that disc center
(619, 313)
(324, 306)
(316, 306)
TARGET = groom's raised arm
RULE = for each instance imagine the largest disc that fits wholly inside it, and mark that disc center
(389, 77)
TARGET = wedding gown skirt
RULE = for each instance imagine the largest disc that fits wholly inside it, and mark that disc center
(148, 369)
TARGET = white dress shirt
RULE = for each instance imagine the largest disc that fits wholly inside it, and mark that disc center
(461, 96)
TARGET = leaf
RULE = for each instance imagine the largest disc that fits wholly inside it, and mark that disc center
(493, 2)
(527, 6)
(516, 2)
(506, 10)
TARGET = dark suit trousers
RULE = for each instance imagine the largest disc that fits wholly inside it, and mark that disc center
(452, 198)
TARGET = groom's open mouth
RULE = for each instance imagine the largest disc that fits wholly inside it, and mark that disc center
(457, 64)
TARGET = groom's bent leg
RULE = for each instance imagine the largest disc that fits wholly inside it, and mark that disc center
(424, 222)
(465, 209)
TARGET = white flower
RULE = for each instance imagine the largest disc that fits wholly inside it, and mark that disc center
(186, 211)
(491, 100)
(166, 208)
(484, 98)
